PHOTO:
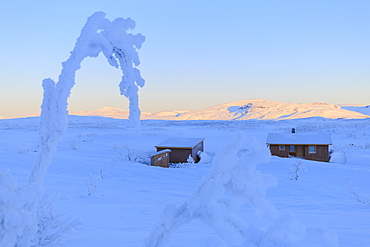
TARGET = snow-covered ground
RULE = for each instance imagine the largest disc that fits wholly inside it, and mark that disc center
(120, 202)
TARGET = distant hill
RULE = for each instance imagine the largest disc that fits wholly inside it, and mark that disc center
(244, 110)
(360, 109)
(108, 112)
(261, 109)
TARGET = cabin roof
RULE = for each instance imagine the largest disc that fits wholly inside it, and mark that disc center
(180, 143)
(299, 139)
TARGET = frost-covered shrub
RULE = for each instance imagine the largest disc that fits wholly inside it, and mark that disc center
(359, 198)
(296, 168)
(73, 144)
(129, 154)
(51, 226)
(26, 220)
(91, 184)
(22, 150)
(18, 203)
(232, 182)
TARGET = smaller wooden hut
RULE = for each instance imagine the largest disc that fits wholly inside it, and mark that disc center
(305, 145)
(161, 158)
(182, 148)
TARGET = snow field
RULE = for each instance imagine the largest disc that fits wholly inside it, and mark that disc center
(119, 203)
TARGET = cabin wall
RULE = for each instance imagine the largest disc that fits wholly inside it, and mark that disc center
(196, 149)
(161, 159)
(277, 152)
(322, 153)
(181, 154)
(178, 155)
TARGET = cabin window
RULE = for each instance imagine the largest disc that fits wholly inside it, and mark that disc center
(281, 147)
(292, 148)
(312, 149)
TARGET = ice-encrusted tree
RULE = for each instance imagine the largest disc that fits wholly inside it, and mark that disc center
(26, 215)
(99, 35)
(232, 182)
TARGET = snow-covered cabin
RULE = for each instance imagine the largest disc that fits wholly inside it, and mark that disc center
(161, 158)
(182, 148)
(305, 145)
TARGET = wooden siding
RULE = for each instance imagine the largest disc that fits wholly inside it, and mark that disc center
(299, 151)
(181, 154)
(322, 152)
(198, 148)
(275, 150)
(161, 159)
(178, 155)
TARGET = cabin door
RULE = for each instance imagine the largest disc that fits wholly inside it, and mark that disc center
(299, 151)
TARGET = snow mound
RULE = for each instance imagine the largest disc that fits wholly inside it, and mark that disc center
(338, 156)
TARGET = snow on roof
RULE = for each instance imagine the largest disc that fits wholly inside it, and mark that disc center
(299, 138)
(180, 142)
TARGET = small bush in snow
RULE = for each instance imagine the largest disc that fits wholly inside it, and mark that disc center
(91, 183)
(73, 145)
(22, 150)
(357, 197)
(51, 226)
(296, 168)
(128, 154)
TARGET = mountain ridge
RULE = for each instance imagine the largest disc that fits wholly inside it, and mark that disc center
(111, 112)
(258, 109)
(261, 109)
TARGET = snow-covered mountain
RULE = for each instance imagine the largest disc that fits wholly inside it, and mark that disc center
(108, 112)
(261, 109)
(243, 110)
(361, 109)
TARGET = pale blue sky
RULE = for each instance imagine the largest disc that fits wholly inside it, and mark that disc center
(196, 54)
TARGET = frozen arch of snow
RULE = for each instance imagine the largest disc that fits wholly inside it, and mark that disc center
(120, 48)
